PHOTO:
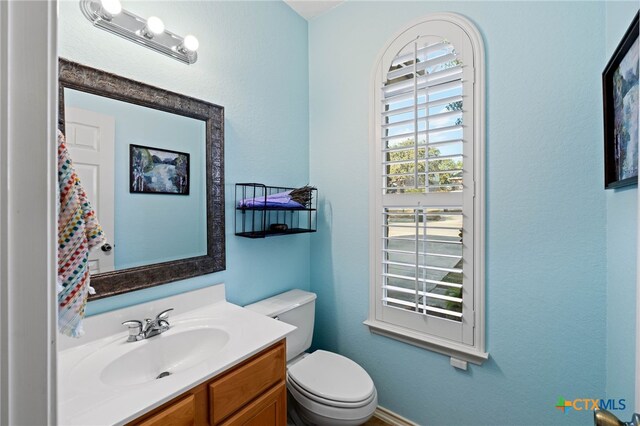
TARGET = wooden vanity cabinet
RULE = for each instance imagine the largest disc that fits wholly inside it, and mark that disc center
(252, 393)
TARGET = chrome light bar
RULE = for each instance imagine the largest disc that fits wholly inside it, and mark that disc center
(109, 15)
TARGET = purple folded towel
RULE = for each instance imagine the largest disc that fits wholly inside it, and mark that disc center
(280, 200)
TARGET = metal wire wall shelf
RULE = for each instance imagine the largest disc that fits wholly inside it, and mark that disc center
(263, 211)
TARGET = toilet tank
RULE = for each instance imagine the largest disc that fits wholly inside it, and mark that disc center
(295, 307)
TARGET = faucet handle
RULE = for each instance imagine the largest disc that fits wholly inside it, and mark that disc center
(132, 324)
(164, 315)
(135, 329)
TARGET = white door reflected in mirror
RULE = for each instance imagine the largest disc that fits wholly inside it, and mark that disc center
(90, 141)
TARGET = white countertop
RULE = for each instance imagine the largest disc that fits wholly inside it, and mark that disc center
(84, 399)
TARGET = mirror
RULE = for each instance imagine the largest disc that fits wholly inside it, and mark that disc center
(151, 162)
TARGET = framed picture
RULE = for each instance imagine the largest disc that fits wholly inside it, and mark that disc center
(158, 171)
(620, 101)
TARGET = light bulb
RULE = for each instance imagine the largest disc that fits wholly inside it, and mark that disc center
(112, 7)
(155, 25)
(190, 43)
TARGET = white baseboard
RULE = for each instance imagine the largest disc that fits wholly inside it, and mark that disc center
(392, 418)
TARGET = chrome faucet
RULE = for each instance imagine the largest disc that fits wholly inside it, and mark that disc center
(151, 327)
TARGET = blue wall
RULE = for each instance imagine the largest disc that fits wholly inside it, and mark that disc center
(546, 266)
(253, 61)
(622, 222)
(152, 228)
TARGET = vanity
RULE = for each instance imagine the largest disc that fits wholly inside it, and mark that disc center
(217, 364)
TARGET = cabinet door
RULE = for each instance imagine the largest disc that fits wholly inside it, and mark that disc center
(181, 413)
(239, 387)
(270, 409)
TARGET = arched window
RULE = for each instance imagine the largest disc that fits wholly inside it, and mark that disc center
(427, 209)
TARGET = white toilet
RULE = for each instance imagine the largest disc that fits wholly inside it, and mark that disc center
(324, 388)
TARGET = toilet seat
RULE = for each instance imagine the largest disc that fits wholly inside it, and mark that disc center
(341, 383)
(291, 383)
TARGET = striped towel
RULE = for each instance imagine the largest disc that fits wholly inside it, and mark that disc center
(78, 232)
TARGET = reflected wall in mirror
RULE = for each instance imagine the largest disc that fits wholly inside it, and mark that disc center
(147, 228)
(156, 237)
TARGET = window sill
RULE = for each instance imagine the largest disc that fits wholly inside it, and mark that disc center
(434, 344)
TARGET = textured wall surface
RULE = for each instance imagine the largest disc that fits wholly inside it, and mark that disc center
(253, 61)
(622, 222)
(546, 263)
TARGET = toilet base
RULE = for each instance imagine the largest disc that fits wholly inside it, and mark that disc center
(302, 416)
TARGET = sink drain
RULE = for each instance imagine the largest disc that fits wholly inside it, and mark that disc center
(163, 374)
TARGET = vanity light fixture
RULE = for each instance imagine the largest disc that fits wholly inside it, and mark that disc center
(110, 16)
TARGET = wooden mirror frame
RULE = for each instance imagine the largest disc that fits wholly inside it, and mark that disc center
(72, 75)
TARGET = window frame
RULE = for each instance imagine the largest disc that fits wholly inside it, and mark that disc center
(475, 352)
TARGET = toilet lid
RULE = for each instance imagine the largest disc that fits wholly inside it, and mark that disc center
(332, 376)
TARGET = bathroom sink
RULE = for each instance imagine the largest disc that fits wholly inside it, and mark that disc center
(119, 363)
(163, 355)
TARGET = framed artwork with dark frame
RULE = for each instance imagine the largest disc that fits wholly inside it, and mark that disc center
(158, 171)
(620, 102)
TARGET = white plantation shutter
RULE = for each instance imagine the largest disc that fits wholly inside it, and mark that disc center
(429, 146)
(422, 114)
(422, 255)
